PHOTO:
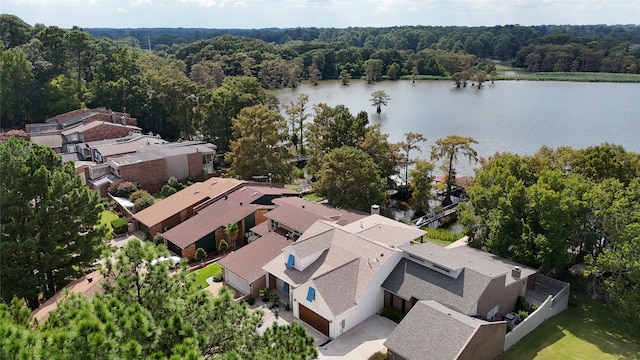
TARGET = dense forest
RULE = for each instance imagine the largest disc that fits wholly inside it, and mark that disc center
(47, 70)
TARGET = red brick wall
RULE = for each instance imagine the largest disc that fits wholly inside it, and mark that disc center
(150, 174)
(195, 164)
(105, 131)
(189, 252)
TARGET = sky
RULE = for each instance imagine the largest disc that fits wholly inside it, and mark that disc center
(255, 14)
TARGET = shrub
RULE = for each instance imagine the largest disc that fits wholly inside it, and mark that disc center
(297, 173)
(217, 277)
(251, 300)
(443, 234)
(378, 356)
(141, 199)
(174, 183)
(167, 191)
(122, 189)
(158, 239)
(223, 246)
(200, 254)
(120, 226)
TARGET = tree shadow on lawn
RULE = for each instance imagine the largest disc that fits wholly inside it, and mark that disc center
(588, 322)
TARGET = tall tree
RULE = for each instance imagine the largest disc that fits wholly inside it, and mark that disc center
(448, 149)
(259, 148)
(420, 184)
(333, 128)
(350, 178)
(16, 78)
(236, 93)
(373, 69)
(409, 144)
(345, 76)
(379, 98)
(50, 233)
(314, 74)
(297, 112)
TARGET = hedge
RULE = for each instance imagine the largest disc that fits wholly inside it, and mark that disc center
(120, 226)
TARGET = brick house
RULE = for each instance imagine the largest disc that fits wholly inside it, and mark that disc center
(50, 132)
(245, 206)
(180, 206)
(152, 165)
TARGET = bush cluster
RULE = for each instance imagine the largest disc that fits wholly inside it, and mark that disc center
(122, 189)
(120, 226)
(141, 199)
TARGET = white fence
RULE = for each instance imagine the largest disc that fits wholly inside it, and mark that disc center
(549, 308)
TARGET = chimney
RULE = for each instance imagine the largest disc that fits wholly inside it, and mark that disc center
(515, 272)
(375, 209)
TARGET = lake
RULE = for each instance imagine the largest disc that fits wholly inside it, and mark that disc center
(508, 116)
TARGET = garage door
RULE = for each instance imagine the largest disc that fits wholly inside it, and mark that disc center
(316, 321)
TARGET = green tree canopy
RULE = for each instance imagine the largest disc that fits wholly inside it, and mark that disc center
(259, 146)
(420, 183)
(148, 312)
(50, 233)
(350, 178)
(379, 98)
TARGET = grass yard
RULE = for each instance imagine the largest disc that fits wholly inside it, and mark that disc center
(588, 331)
(204, 273)
(313, 197)
(106, 217)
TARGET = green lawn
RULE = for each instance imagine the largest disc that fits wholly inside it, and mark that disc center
(106, 217)
(312, 197)
(204, 273)
(586, 331)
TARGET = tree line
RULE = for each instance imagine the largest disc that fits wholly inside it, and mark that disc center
(46, 70)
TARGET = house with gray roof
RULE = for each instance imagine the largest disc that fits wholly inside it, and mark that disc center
(465, 279)
(433, 331)
(455, 299)
(332, 274)
(242, 269)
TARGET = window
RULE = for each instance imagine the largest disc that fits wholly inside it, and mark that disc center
(491, 315)
(290, 261)
(285, 287)
(311, 294)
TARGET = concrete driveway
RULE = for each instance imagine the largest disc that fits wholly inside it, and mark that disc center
(360, 342)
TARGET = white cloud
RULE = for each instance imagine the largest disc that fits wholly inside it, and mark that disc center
(240, 4)
(141, 2)
(121, 10)
(205, 3)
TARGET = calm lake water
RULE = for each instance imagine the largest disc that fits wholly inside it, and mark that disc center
(508, 116)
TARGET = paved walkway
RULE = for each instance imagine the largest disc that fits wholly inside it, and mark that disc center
(360, 342)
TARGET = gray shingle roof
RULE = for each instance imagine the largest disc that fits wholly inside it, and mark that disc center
(432, 331)
(348, 264)
(409, 279)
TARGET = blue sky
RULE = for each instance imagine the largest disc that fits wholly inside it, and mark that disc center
(247, 14)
